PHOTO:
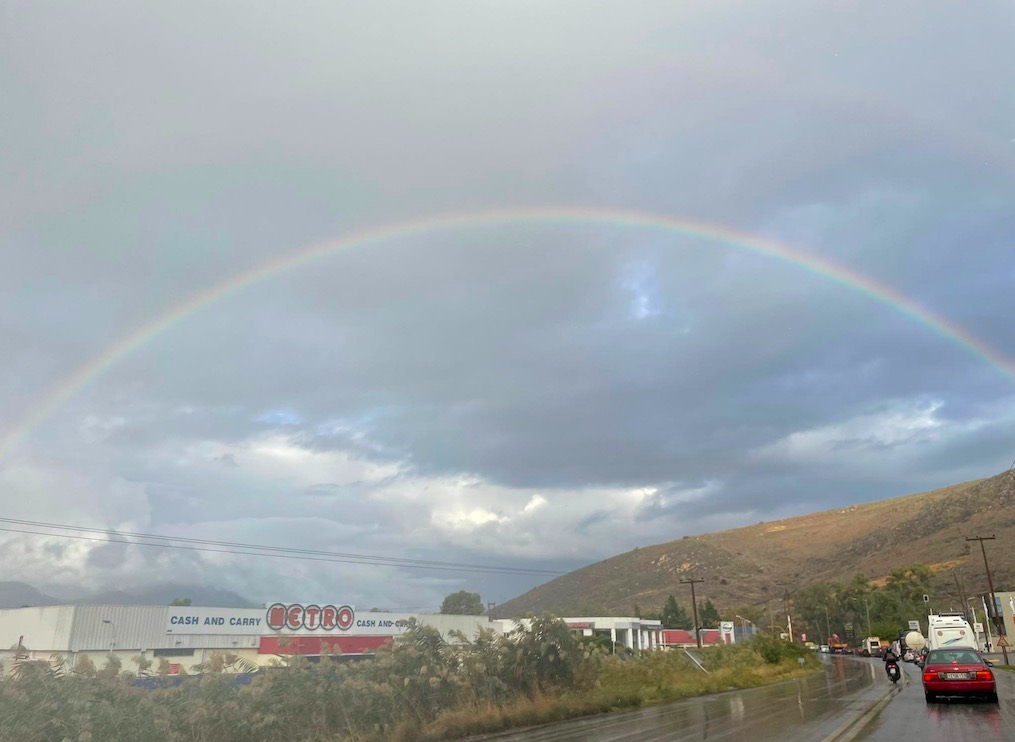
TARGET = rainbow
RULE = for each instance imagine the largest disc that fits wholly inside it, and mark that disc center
(709, 233)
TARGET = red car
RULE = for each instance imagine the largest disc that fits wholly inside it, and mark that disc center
(957, 671)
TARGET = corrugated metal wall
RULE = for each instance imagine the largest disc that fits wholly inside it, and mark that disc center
(45, 629)
(140, 627)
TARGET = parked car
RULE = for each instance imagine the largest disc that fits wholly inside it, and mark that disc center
(824, 648)
(957, 671)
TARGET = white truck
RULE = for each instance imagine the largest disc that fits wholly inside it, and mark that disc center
(949, 630)
(871, 647)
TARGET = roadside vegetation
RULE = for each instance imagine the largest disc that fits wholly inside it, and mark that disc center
(422, 688)
(873, 609)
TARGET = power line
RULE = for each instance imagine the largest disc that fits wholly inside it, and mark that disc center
(260, 550)
(359, 560)
(395, 561)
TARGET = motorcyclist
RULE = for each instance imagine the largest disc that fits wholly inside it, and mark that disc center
(891, 657)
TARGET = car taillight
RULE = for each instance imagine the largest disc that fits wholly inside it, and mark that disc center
(929, 676)
(984, 675)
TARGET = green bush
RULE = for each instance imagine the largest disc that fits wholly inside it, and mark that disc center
(420, 688)
(774, 650)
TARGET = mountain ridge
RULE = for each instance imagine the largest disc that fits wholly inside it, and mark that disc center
(15, 594)
(752, 565)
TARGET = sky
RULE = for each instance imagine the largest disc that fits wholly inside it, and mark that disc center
(195, 342)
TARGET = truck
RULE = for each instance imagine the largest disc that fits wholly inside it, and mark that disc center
(871, 647)
(949, 630)
(836, 645)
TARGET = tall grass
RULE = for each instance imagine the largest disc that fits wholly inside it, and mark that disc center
(422, 688)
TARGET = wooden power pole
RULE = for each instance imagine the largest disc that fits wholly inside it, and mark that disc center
(998, 625)
(694, 606)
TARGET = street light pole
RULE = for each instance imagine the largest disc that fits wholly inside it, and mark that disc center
(867, 608)
(986, 622)
(112, 641)
(973, 609)
(771, 613)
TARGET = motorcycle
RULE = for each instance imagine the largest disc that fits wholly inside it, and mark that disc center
(892, 668)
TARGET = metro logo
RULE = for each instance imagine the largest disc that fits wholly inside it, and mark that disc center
(329, 617)
(345, 617)
(311, 617)
(311, 614)
(275, 617)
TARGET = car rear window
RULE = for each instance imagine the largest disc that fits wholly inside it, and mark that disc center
(948, 656)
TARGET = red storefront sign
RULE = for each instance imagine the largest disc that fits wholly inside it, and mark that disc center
(313, 645)
(313, 617)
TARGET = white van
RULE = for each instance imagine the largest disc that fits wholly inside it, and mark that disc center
(949, 630)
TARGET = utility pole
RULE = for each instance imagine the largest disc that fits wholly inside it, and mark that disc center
(993, 599)
(789, 617)
(694, 606)
(961, 587)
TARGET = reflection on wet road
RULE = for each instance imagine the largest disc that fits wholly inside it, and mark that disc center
(806, 709)
(910, 716)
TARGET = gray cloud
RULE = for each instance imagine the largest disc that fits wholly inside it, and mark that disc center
(540, 395)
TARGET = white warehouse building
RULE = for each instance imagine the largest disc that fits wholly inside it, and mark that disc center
(634, 633)
(183, 638)
(186, 636)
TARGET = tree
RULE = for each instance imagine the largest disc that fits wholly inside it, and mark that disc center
(675, 617)
(181, 601)
(463, 603)
(84, 666)
(754, 615)
(820, 609)
(144, 665)
(708, 614)
(111, 668)
(909, 583)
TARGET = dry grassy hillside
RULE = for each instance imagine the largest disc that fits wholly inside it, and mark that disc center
(750, 565)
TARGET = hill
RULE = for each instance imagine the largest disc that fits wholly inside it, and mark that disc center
(749, 566)
(18, 594)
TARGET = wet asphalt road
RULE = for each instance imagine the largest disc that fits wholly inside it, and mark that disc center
(804, 710)
(910, 717)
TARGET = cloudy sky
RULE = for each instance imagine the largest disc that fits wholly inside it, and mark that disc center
(533, 394)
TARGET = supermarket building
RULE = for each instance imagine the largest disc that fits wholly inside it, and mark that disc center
(186, 637)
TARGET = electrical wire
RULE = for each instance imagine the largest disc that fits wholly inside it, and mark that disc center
(373, 559)
(202, 545)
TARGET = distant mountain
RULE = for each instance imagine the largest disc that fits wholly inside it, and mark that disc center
(18, 594)
(165, 594)
(749, 566)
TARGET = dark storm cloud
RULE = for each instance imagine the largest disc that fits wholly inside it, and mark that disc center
(539, 395)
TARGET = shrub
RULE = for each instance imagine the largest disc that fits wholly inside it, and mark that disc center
(774, 650)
